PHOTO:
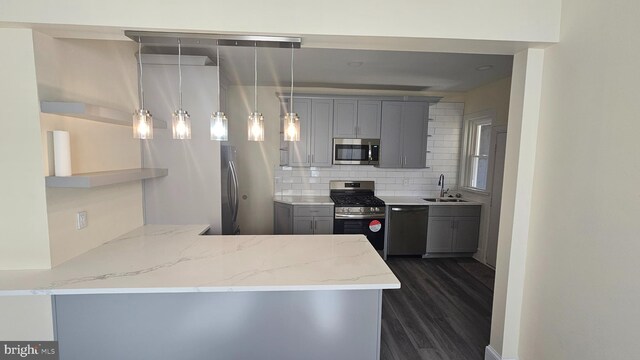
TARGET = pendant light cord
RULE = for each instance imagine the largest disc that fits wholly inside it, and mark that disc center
(218, 60)
(180, 71)
(141, 92)
(291, 98)
(255, 77)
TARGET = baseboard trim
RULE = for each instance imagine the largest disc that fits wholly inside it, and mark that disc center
(491, 354)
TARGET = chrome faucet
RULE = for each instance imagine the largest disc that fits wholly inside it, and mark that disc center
(441, 184)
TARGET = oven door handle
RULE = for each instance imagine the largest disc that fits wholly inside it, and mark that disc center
(354, 216)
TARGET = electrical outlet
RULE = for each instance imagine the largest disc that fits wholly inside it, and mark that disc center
(405, 181)
(82, 220)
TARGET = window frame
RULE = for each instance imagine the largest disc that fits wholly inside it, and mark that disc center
(470, 123)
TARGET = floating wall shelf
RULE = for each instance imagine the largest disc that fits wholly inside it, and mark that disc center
(92, 112)
(103, 178)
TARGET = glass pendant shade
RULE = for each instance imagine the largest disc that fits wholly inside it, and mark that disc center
(181, 125)
(291, 127)
(219, 127)
(256, 127)
(142, 125)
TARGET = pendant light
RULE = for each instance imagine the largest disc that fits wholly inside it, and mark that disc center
(291, 121)
(142, 119)
(219, 123)
(256, 121)
(181, 121)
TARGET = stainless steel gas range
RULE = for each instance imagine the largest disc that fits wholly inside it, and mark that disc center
(357, 210)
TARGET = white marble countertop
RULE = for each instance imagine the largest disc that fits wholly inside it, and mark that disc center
(303, 200)
(172, 258)
(414, 200)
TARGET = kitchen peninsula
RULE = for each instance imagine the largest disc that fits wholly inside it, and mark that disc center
(168, 292)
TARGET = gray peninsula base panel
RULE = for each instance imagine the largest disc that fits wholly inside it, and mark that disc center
(324, 324)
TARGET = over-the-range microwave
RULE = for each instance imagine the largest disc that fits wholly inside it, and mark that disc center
(356, 151)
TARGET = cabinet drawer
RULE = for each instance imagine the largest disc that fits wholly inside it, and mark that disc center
(312, 210)
(454, 210)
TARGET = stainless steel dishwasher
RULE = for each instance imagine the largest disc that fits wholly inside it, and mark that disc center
(408, 230)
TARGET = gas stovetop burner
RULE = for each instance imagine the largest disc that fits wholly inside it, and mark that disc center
(356, 200)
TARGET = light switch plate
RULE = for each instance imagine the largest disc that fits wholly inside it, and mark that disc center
(82, 220)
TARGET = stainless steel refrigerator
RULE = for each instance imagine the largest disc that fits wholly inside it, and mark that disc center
(230, 195)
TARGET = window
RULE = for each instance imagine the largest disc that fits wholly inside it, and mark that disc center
(475, 162)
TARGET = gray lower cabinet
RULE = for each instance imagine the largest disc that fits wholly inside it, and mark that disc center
(282, 218)
(303, 219)
(283, 325)
(403, 138)
(453, 229)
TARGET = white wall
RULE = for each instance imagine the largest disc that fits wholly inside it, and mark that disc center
(102, 73)
(582, 287)
(516, 201)
(26, 318)
(524, 20)
(24, 243)
(494, 98)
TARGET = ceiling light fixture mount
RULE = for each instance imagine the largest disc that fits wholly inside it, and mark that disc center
(152, 38)
(484, 67)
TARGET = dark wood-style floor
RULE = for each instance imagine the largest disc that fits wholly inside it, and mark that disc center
(442, 311)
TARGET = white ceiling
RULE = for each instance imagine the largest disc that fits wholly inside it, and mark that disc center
(379, 69)
(386, 69)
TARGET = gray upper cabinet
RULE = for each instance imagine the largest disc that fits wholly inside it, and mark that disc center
(414, 144)
(316, 128)
(358, 119)
(299, 150)
(345, 118)
(321, 130)
(391, 135)
(403, 138)
(369, 119)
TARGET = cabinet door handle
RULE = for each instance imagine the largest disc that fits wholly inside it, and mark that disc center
(313, 157)
(311, 226)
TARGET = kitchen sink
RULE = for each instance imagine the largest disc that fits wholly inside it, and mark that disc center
(444, 200)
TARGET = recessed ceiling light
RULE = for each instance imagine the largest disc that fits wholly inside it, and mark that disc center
(484, 67)
(355, 63)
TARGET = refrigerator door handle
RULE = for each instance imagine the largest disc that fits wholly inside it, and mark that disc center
(230, 191)
(236, 197)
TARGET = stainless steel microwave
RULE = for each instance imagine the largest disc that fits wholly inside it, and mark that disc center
(356, 151)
